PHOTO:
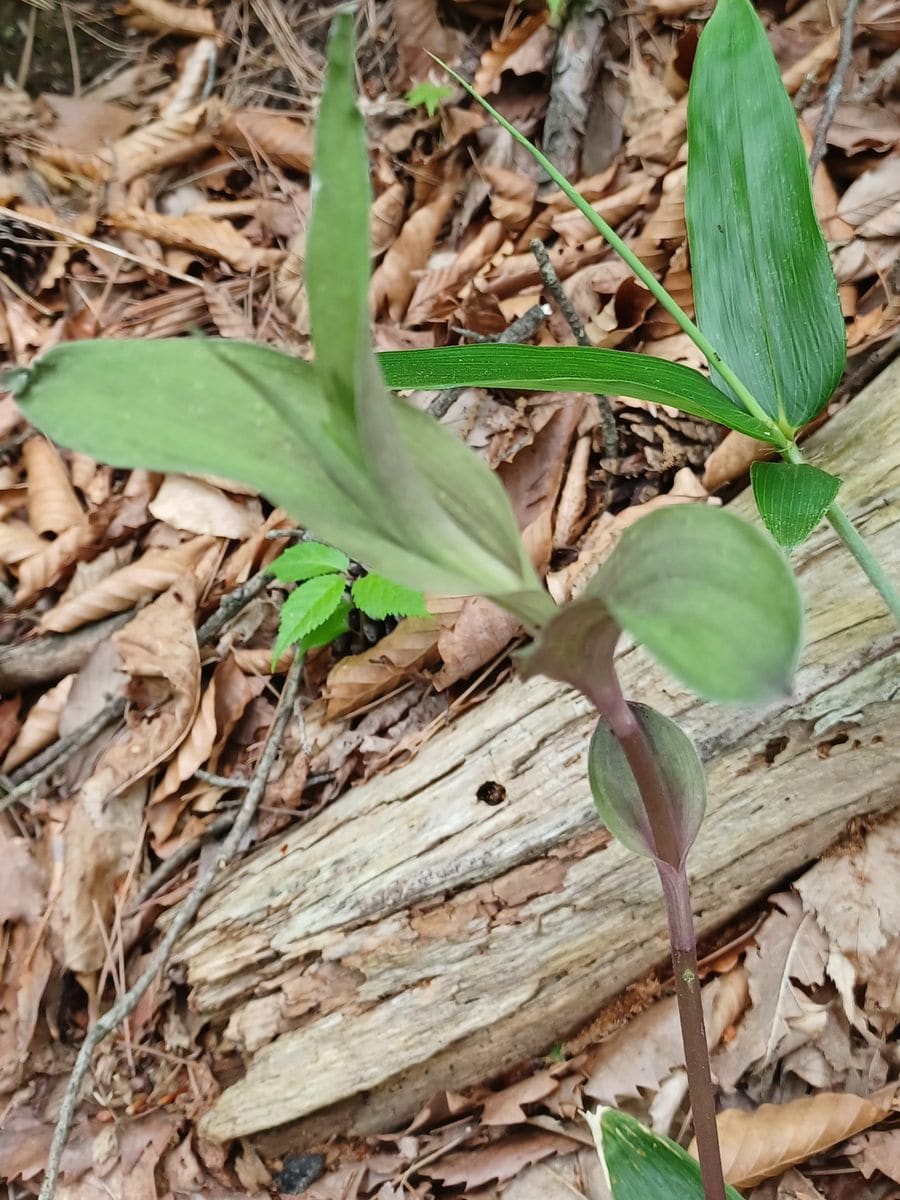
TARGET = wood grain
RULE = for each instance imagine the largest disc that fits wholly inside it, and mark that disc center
(412, 938)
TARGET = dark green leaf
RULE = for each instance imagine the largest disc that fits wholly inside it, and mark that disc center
(711, 597)
(332, 627)
(307, 560)
(337, 250)
(306, 609)
(640, 1165)
(379, 598)
(616, 793)
(792, 498)
(764, 289)
(567, 369)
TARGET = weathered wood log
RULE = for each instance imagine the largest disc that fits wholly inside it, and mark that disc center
(411, 937)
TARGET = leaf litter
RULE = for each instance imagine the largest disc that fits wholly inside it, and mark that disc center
(172, 197)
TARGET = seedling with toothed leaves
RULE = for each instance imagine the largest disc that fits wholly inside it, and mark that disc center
(394, 489)
(317, 612)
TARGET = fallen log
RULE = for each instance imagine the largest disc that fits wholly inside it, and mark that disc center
(412, 937)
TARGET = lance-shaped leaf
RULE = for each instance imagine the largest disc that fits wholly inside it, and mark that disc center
(616, 793)
(711, 597)
(764, 289)
(640, 1165)
(307, 560)
(792, 498)
(306, 609)
(568, 369)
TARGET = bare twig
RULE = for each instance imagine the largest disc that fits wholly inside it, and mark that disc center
(54, 655)
(886, 73)
(29, 777)
(232, 603)
(128, 1002)
(222, 781)
(522, 329)
(564, 304)
(170, 866)
(835, 86)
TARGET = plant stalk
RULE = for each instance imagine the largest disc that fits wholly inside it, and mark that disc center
(682, 936)
(857, 545)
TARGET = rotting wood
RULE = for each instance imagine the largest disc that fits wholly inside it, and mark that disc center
(411, 937)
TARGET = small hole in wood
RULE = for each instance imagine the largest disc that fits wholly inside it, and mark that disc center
(491, 793)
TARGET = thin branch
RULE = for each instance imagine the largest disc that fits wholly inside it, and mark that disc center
(835, 86)
(170, 866)
(127, 1003)
(29, 777)
(222, 781)
(522, 329)
(564, 304)
(232, 603)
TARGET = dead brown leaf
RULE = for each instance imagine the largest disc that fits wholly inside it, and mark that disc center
(164, 16)
(575, 229)
(386, 217)
(732, 459)
(437, 291)
(858, 127)
(41, 726)
(394, 280)
(44, 567)
(872, 201)
(201, 235)
(18, 542)
(420, 34)
(877, 1151)
(512, 196)
(53, 506)
(499, 1161)
(523, 49)
(761, 1144)
(195, 506)
(273, 135)
(360, 678)
(26, 972)
(175, 138)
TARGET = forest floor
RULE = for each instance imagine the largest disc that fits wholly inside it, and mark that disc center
(154, 182)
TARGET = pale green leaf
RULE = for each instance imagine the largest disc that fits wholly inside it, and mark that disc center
(640, 1165)
(306, 560)
(429, 95)
(764, 289)
(378, 598)
(792, 498)
(307, 608)
(567, 369)
(616, 793)
(711, 597)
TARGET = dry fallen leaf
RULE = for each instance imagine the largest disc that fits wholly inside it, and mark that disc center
(877, 1151)
(394, 280)
(361, 678)
(760, 1144)
(53, 506)
(195, 506)
(41, 726)
(524, 49)
(421, 34)
(499, 1161)
(199, 234)
(732, 459)
(164, 16)
(273, 135)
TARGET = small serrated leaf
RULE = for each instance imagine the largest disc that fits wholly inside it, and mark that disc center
(792, 498)
(306, 608)
(378, 598)
(332, 627)
(307, 560)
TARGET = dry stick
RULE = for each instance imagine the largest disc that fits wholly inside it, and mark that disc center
(127, 1003)
(522, 329)
(836, 85)
(232, 603)
(39, 769)
(886, 73)
(564, 304)
(179, 858)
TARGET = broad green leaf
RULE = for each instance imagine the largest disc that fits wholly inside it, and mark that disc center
(616, 794)
(332, 627)
(792, 498)
(306, 609)
(764, 289)
(568, 369)
(640, 1165)
(379, 598)
(337, 261)
(306, 560)
(711, 597)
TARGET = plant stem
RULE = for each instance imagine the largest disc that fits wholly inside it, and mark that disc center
(857, 545)
(682, 937)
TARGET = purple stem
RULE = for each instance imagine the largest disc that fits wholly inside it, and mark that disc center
(673, 875)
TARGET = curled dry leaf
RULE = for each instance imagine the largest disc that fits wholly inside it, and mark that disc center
(44, 568)
(163, 16)
(512, 195)
(421, 34)
(154, 571)
(437, 292)
(175, 138)
(394, 279)
(877, 1151)
(523, 49)
(201, 235)
(272, 135)
(361, 678)
(760, 1144)
(575, 229)
(53, 506)
(18, 541)
(386, 217)
(195, 506)
(41, 726)
(732, 459)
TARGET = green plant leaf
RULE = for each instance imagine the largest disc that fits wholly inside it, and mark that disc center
(332, 627)
(568, 369)
(306, 609)
(616, 793)
(336, 260)
(764, 289)
(711, 597)
(378, 598)
(792, 498)
(429, 95)
(306, 560)
(640, 1165)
